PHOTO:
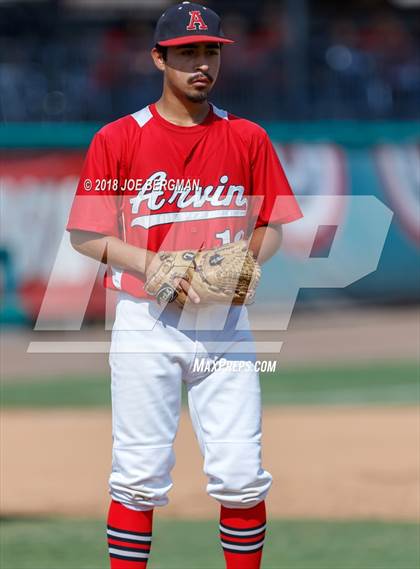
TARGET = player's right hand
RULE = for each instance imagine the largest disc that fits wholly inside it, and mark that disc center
(168, 277)
(187, 288)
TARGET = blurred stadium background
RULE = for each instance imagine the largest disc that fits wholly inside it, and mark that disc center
(337, 86)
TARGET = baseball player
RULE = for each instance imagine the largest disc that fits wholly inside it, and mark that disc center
(170, 198)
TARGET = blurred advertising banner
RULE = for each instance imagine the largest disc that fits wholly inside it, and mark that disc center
(37, 188)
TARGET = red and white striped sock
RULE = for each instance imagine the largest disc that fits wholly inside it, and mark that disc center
(129, 537)
(242, 535)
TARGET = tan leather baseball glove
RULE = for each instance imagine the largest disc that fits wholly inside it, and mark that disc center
(226, 274)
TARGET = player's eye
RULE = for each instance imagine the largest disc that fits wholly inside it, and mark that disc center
(213, 52)
(187, 52)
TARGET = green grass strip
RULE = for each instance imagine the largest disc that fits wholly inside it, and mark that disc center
(375, 383)
(80, 544)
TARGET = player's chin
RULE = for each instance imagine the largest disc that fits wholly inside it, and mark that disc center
(197, 96)
(198, 93)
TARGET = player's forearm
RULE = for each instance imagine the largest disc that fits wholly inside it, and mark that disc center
(265, 242)
(111, 250)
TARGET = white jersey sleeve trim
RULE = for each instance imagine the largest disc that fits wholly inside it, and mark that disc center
(143, 116)
(116, 277)
(220, 112)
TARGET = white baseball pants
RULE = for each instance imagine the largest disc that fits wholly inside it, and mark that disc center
(150, 357)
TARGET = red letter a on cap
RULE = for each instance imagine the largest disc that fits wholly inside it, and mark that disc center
(196, 19)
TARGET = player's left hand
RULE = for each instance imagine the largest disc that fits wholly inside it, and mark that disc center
(226, 275)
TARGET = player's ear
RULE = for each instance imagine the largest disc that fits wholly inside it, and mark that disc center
(159, 58)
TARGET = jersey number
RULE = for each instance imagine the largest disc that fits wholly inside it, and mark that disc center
(225, 236)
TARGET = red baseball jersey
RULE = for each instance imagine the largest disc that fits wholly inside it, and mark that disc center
(160, 186)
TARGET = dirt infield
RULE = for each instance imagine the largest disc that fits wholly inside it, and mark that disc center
(327, 462)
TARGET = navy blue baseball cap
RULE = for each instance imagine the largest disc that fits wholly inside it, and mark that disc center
(189, 23)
